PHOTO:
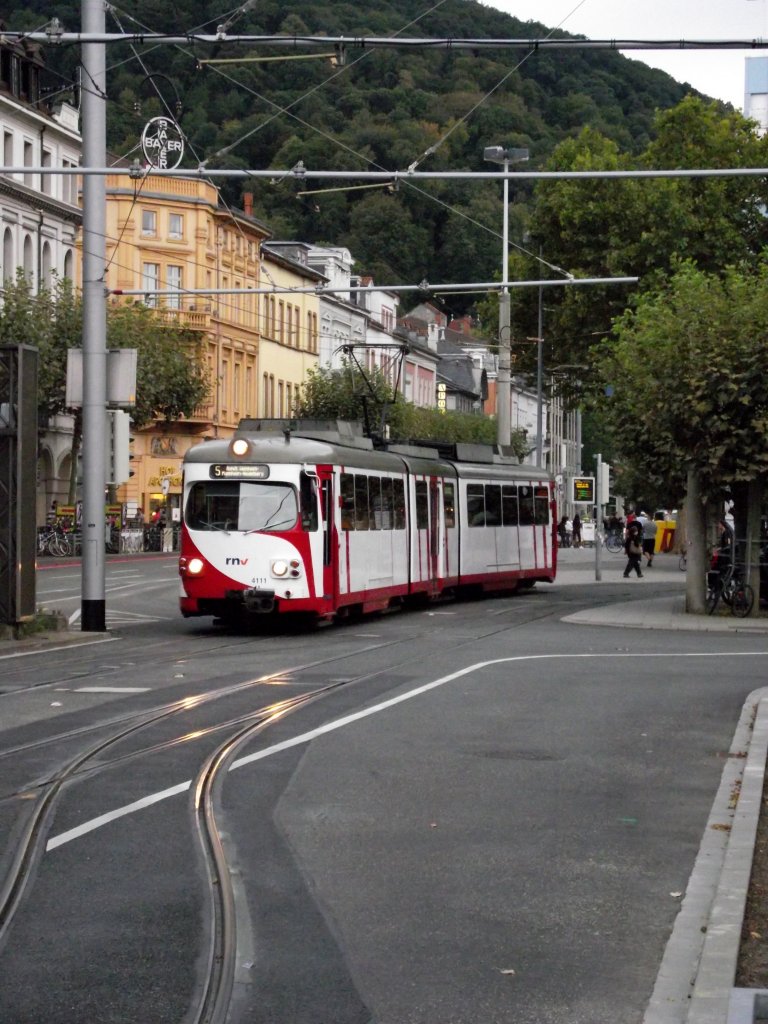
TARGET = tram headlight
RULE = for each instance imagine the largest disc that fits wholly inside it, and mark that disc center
(195, 566)
(279, 567)
(240, 446)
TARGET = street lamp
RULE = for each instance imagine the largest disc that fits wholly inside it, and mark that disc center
(504, 156)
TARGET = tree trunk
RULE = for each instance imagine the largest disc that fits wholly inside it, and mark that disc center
(752, 551)
(695, 583)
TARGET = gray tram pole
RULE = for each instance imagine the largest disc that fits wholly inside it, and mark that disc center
(598, 518)
(94, 122)
(502, 155)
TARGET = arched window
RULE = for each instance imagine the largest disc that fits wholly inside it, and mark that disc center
(9, 264)
(29, 266)
(68, 264)
(45, 266)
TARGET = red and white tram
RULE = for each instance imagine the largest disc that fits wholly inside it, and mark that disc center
(314, 520)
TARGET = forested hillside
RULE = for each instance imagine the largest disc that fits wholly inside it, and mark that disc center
(382, 109)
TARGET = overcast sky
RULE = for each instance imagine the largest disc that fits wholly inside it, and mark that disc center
(719, 74)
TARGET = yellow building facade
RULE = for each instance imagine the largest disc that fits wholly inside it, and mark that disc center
(172, 235)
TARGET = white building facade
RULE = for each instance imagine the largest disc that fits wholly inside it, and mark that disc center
(39, 213)
(39, 217)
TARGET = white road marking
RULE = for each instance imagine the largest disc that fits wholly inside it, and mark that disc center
(340, 723)
(64, 647)
(111, 689)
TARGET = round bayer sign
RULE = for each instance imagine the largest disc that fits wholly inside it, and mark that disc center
(162, 143)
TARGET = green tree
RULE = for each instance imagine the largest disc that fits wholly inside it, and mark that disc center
(633, 227)
(171, 378)
(346, 394)
(689, 404)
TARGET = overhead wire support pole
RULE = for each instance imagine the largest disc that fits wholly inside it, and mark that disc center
(471, 286)
(399, 176)
(382, 42)
(504, 379)
(94, 120)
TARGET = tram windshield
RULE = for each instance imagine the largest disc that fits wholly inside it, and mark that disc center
(241, 506)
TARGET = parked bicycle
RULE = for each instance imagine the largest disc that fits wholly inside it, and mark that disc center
(731, 586)
(614, 540)
(52, 540)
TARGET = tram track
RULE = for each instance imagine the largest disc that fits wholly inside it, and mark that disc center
(221, 954)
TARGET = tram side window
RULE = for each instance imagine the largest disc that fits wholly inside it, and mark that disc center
(362, 512)
(493, 504)
(475, 504)
(347, 494)
(525, 497)
(374, 502)
(387, 504)
(422, 508)
(449, 504)
(308, 491)
(509, 505)
(541, 506)
(398, 496)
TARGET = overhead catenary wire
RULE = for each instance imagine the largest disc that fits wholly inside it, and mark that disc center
(384, 42)
(402, 177)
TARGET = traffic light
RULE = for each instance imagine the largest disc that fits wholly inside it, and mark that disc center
(118, 446)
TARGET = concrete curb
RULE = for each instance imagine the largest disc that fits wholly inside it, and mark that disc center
(697, 974)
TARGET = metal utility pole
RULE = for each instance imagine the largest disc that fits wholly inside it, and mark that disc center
(540, 385)
(94, 121)
(498, 154)
(598, 517)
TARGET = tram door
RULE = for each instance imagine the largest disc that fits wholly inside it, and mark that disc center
(330, 573)
(434, 531)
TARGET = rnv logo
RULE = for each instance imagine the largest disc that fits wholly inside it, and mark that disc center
(236, 561)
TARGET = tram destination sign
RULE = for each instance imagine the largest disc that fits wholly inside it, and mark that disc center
(583, 489)
(236, 471)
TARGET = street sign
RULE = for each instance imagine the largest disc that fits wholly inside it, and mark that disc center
(583, 489)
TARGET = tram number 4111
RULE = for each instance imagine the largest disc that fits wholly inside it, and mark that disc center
(583, 489)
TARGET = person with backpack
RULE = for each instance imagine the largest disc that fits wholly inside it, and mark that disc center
(633, 549)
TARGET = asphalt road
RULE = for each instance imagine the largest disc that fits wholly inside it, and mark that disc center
(491, 818)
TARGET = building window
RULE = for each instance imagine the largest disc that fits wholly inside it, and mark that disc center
(236, 388)
(29, 266)
(8, 149)
(173, 281)
(45, 266)
(150, 276)
(69, 184)
(46, 183)
(69, 262)
(280, 399)
(289, 326)
(281, 323)
(224, 382)
(148, 223)
(9, 264)
(28, 178)
(175, 226)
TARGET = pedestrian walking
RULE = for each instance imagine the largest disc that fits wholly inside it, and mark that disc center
(633, 549)
(562, 531)
(576, 531)
(649, 538)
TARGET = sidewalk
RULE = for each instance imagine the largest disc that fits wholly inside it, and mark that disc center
(577, 567)
(696, 980)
